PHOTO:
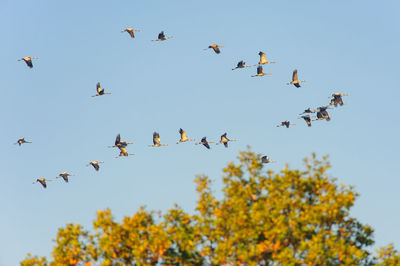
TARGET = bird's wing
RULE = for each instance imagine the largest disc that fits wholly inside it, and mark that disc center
(294, 77)
(96, 167)
(156, 138)
(161, 35)
(29, 63)
(98, 87)
(259, 70)
(183, 134)
(131, 33)
(297, 85)
(216, 49)
(206, 144)
(226, 144)
(118, 139)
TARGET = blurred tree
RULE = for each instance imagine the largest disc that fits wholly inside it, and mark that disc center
(264, 218)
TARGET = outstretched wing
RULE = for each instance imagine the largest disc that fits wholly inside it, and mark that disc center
(294, 77)
(96, 167)
(259, 70)
(216, 49)
(161, 35)
(118, 140)
(130, 31)
(156, 138)
(98, 87)
(29, 63)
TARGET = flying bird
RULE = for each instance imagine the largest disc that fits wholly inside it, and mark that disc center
(322, 113)
(263, 59)
(100, 91)
(42, 181)
(308, 111)
(120, 143)
(295, 80)
(265, 159)
(205, 142)
(64, 176)
(184, 137)
(260, 72)
(307, 118)
(161, 37)
(215, 47)
(156, 140)
(130, 31)
(285, 124)
(21, 141)
(225, 140)
(123, 152)
(337, 99)
(28, 60)
(240, 64)
(95, 165)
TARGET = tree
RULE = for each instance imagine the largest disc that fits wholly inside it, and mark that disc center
(264, 218)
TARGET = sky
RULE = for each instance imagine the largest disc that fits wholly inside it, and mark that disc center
(337, 46)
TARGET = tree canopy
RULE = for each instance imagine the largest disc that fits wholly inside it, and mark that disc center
(291, 217)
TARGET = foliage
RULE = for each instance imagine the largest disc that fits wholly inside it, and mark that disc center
(264, 218)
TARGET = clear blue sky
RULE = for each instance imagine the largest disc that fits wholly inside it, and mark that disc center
(337, 46)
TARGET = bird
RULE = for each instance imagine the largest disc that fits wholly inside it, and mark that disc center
(130, 31)
(119, 143)
(263, 59)
(21, 141)
(265, 159)
(295, 81)
(95, 164)
(64, 176)
(42, 181)
(184, 137)
(28, 60)
(240, 64)
(285, 124)
(322, 113)
(307, 118)
(337, 99)
(307, 111)
(260, 72)
(156, 140)
(161, 37)
(100, 91)
(123, 152)
(205, 142)
(215, 47)
(225, 140)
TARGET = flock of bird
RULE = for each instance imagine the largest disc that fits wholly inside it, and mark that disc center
(321, 112)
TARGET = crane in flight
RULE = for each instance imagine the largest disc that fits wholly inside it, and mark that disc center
(295, 81)
(161, 37)
(28, 60)
(306, 118)
(100, 91)
(240, 64)
(260, 72)
(285, 124)
(265, 159)
(205, 142)
(263, 59)
(123, 152)
(156, 140)
(120, 143)
(184, 137)
(21, 141)
(225, 140)
(42, 181)
(64, 175)
(131, 32)
(336, 99)
(307, 111)
(215, 47)
(322, 113)
(95, 165)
